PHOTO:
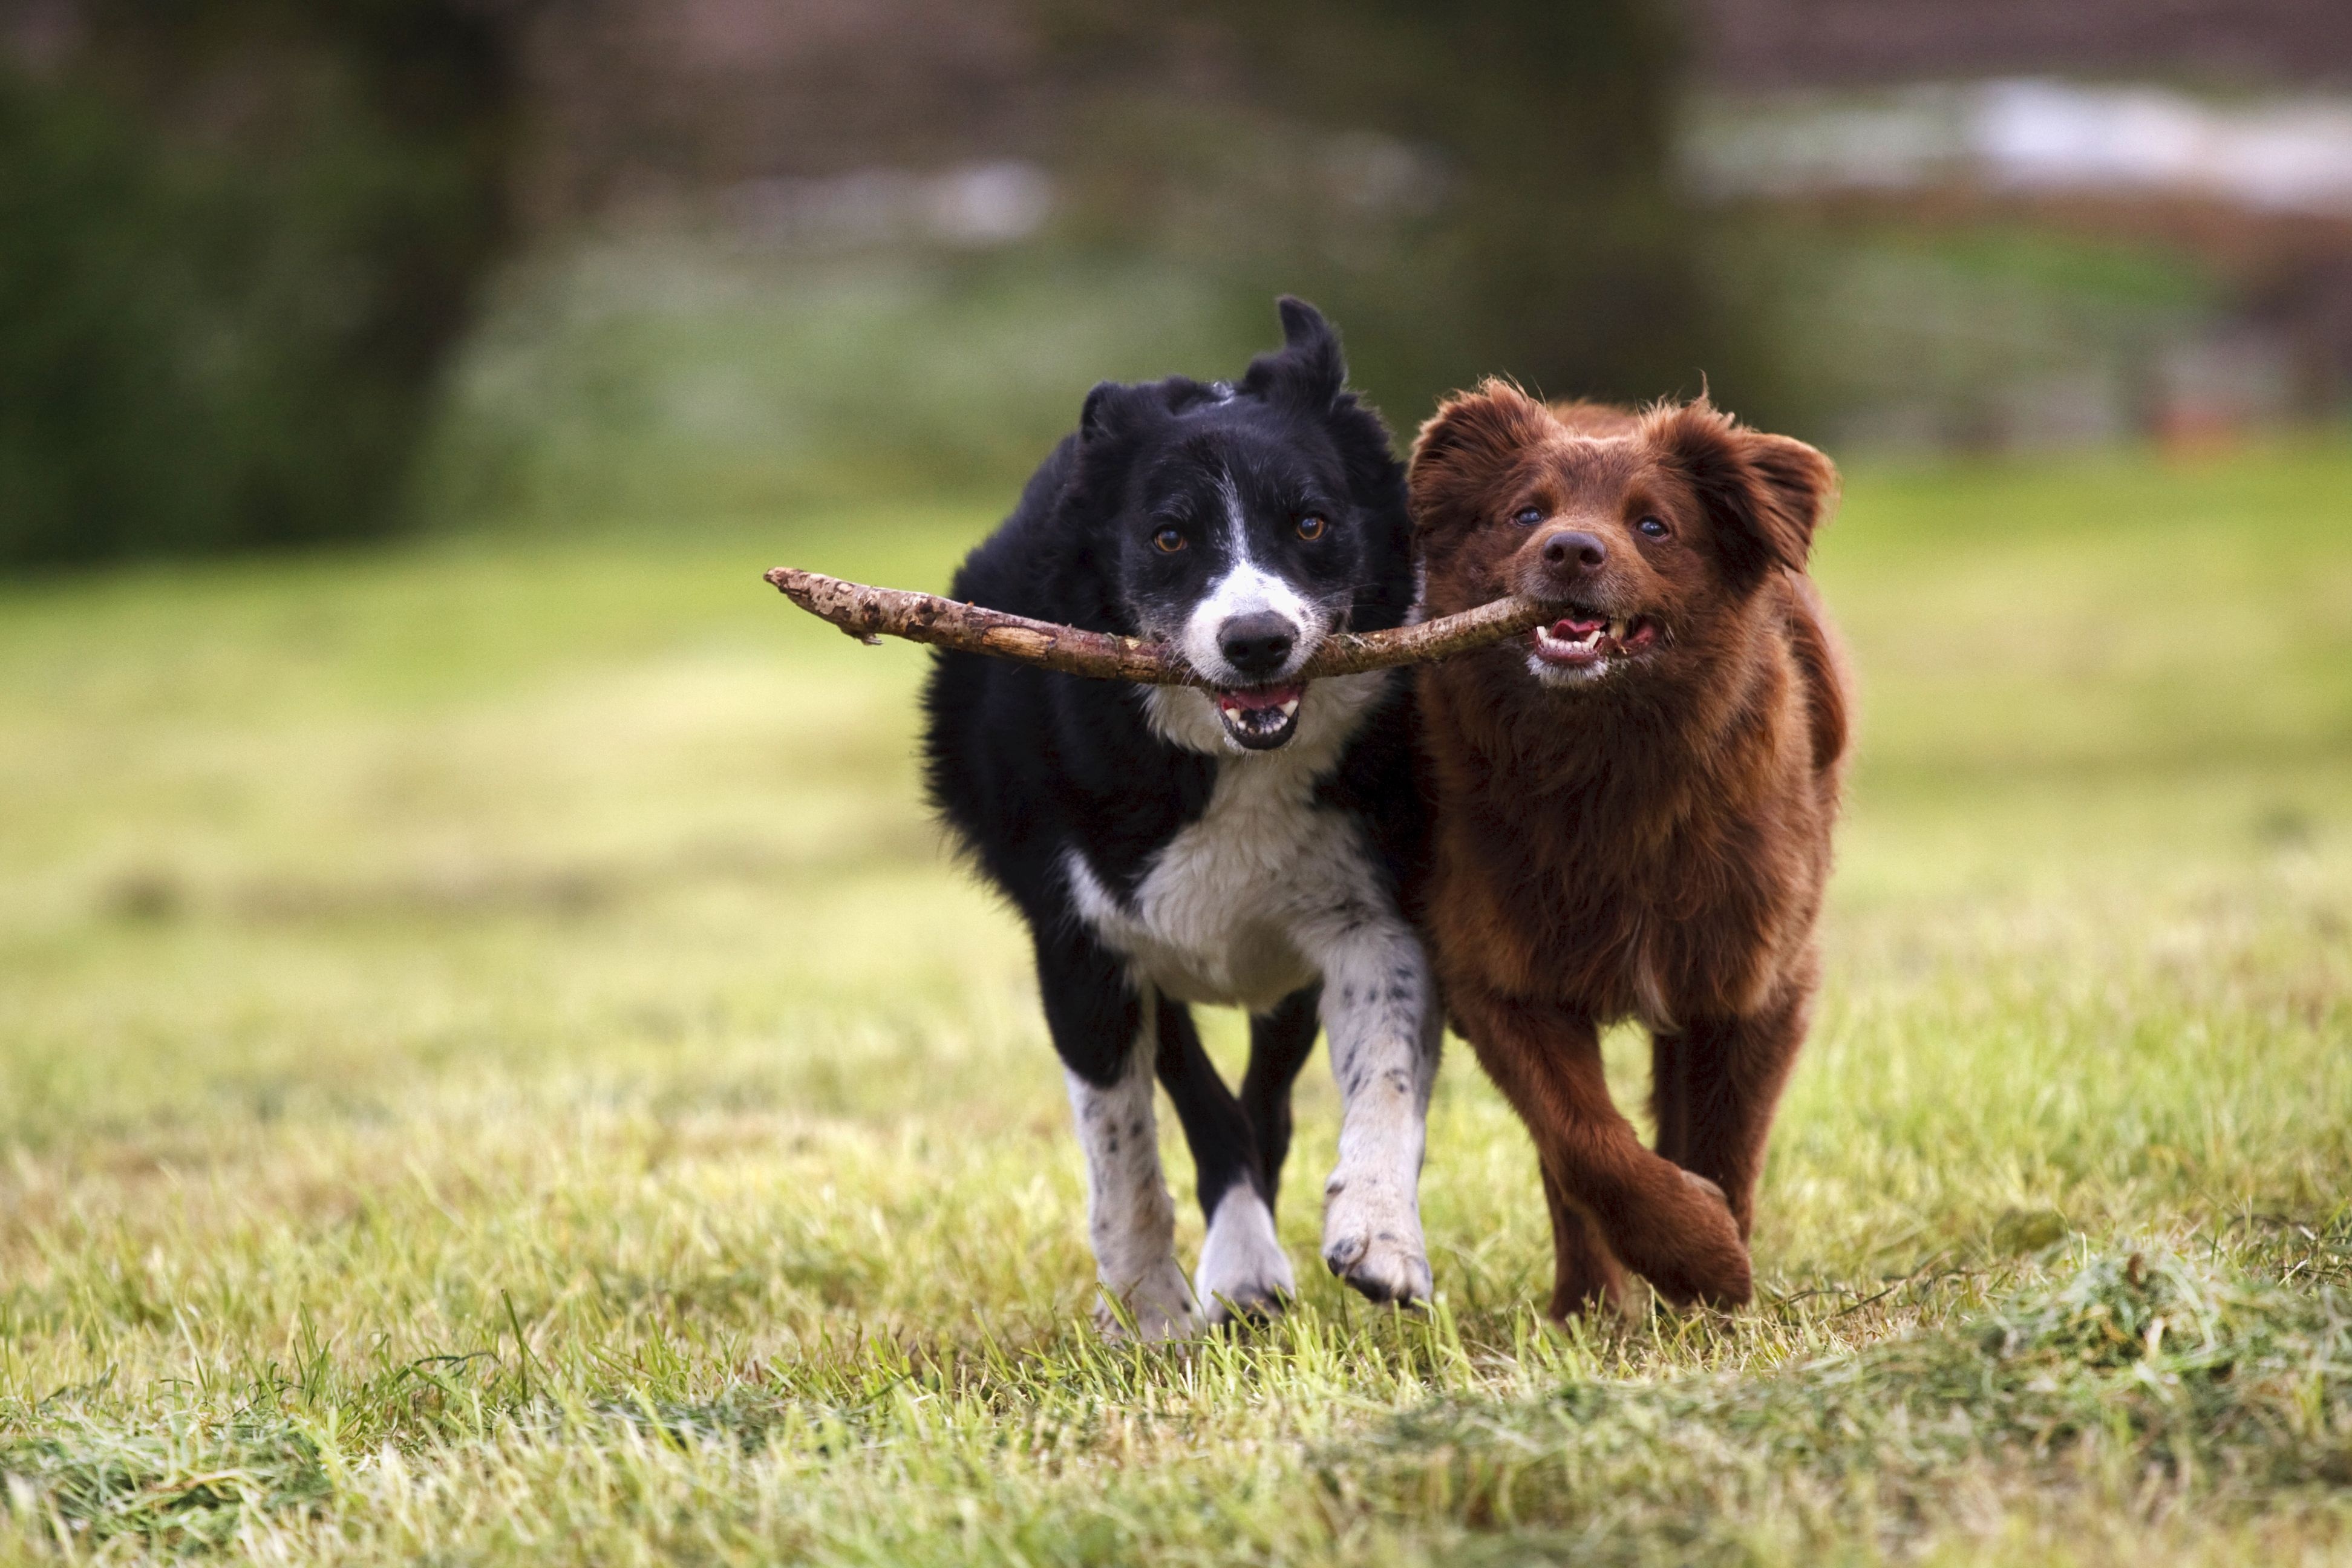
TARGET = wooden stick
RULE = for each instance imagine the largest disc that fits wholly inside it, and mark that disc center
(870, 613)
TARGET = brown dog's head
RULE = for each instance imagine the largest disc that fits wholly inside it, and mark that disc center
(1652, 531)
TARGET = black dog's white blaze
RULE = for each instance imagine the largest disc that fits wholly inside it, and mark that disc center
(1246, 845)
(1258, 708)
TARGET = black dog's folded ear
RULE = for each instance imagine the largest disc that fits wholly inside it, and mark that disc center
(1466, 445)
(1104, 411)
(1110, 408)
(1309, 370)
(1764, 495)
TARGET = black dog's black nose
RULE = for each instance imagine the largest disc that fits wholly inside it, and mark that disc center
(1574, 554)
(1256, 645)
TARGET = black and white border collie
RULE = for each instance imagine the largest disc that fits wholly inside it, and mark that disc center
(1246, 845)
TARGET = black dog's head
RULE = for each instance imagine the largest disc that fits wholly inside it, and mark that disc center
(1245, 523)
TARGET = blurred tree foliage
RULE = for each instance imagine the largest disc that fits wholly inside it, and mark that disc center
(1566, 258)
(1558, 250)
(237, 239)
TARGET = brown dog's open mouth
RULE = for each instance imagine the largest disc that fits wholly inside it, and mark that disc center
(1261, 718)
(1582, 639)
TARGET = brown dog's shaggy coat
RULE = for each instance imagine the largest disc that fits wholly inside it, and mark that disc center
(1634, 803)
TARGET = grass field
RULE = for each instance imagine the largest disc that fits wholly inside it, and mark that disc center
(495, 1066)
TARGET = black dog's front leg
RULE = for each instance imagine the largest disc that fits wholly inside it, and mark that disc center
(1243, 1266)
(1280, 1043)
(1105, 1027)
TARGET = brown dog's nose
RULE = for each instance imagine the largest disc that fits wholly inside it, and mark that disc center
(1573, 555)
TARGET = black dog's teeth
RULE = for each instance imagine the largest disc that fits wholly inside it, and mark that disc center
(1260, 726)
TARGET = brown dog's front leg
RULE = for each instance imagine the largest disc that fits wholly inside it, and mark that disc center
(1717, 1084)
(1669, 1096)
(1672, 1230)
(1586, 1275)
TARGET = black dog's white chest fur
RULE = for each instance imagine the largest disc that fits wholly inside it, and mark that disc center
(1227, 909)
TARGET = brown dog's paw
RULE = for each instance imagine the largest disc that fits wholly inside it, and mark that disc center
(1600, 1297)
(1695, 1256)
(1703, 1185)
(1706, 1276)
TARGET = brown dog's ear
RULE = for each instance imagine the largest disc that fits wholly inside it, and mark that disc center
(1764, 495)
(1469, 442)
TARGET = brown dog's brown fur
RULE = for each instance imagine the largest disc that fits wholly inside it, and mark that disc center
(1649, 843)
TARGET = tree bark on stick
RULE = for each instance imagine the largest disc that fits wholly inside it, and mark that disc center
(870, 613)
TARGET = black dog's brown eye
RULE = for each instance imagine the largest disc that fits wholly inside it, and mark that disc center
(1527, 516)
(1311, 526)
(1653, 527)
(1169, 541)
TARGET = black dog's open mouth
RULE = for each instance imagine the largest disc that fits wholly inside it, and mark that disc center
(1261, 718)
(1582, 639)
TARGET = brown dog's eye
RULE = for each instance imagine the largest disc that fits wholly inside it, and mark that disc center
(1653, 527)
(1169, 541)
(1311, 526)
(1527, 516)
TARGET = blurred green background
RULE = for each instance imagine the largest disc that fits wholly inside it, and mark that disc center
(273, 274)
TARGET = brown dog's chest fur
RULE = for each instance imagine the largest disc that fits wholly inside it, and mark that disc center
(1617, 858)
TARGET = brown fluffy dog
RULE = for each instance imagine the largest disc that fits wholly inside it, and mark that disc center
(1634, 803)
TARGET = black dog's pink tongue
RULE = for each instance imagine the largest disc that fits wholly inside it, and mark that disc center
(1256, 700)
(1568, 627)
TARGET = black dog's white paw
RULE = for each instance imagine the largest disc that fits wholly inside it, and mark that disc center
(1159, 1306)
(1372, 1240)
(1243, 1271)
